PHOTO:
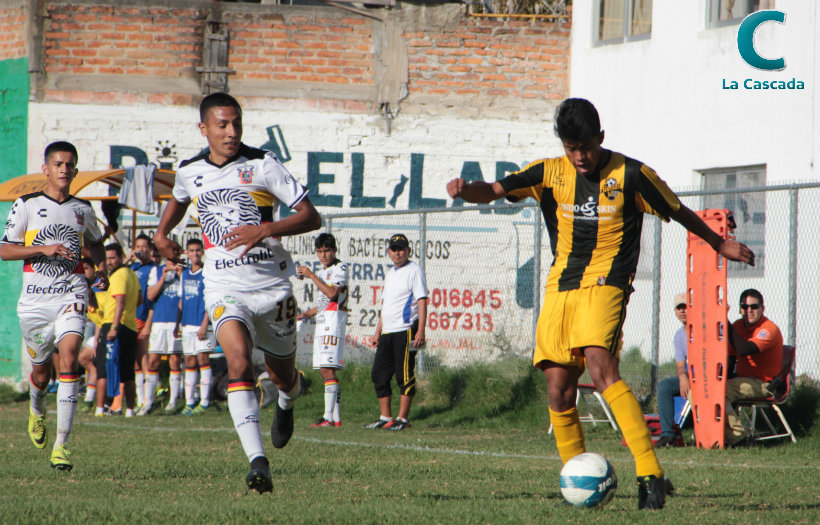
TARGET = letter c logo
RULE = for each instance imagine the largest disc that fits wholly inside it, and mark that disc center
(746, 40)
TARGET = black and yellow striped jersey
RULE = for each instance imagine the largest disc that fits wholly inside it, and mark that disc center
(594, 221)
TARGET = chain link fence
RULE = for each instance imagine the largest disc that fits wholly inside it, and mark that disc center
(486, 267)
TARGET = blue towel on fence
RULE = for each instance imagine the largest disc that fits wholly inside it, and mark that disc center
(112, 367)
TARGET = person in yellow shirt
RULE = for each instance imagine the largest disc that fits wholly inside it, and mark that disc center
(119, 308)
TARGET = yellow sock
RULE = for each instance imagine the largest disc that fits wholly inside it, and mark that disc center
(569, 435)
(628, 414)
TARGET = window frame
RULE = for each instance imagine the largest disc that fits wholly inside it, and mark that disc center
(626, 35)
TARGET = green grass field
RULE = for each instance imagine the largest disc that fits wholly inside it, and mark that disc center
(478, 452)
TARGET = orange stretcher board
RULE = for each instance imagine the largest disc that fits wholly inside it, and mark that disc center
(706, 330)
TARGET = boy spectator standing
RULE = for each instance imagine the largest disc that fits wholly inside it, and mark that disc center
(331, 320)
(119, 306)
(142, 264)
(197, 338)
(46, 231)
(164, 294)
(399, 334)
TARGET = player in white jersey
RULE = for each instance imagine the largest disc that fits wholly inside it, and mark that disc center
(331, 320)
(238, 192)
(47, 230)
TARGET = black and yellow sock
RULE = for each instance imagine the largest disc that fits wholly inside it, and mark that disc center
(628, 414)
(569, 435)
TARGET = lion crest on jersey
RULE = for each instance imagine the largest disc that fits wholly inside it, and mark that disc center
(220, 211)
(51, 266)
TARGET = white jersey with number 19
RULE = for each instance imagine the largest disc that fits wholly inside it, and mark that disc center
(247, 190)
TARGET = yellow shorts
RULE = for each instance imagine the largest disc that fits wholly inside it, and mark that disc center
(575, 319)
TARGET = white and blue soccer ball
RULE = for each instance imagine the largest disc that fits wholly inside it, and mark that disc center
(588, 480)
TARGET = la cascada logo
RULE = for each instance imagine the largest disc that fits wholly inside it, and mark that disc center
(748, 52)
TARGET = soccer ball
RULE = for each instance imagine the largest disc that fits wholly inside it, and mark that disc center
(588, 480)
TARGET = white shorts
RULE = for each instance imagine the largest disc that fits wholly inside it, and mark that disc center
(192, 345)
(162, 340)
(45, 327)
(329, 339)
(269, 317)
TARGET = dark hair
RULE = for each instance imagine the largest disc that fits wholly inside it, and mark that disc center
(217, 100)
(144, 237)
(60, 146)
(576, 120)
(751, 292)
(325, 240)
(116, 247)
(193, 241)
(88, 260)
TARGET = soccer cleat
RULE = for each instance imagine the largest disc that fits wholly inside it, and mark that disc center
(337, 423)
(145, 410)
(282, 427)
(60, 458)
(651, 492)
(200, 409)
(399, 425)
(37, 430)
(258, 478)
(188, 410)
(665, 442)
(172, 408)
(380, 423)
(324, 423)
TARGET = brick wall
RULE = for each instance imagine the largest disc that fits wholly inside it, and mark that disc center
(319, 54)
(12, 32)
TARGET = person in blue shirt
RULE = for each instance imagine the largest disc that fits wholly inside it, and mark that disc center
(197, 336)
(677, 385)
(141, 262)
(164, 293)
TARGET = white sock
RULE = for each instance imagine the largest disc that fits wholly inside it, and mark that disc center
(331, 390)
(175, 382)
(139, 381)
(90, 393)
(37, 398)
(66, 405)
(245, 415)
(336, 417)
(151, 380)
(286, 399)
(205, 385)
(191, 379)
(129, 412)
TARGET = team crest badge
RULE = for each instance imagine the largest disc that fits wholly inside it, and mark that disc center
(611, 189)
(80, 216)
(218, 311)
(246, 175)
(32, 353)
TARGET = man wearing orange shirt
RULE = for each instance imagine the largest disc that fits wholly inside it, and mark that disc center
(757, 345)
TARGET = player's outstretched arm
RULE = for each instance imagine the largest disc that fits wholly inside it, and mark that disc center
(732, 250)
(476, 191)
(16, 252)
(304, 220)
(174, 212)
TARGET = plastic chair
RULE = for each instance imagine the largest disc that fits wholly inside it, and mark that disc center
(771, 402)
(587, 416)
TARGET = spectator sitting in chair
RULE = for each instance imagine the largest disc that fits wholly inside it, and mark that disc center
(677, 385)
(757, 346)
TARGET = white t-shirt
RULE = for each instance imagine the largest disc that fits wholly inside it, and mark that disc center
(248, 190)
(403, 287)
(37, 219)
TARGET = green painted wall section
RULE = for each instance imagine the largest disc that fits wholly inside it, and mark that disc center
(14, 93)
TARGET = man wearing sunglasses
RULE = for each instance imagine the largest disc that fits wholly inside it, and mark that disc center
(756, 344)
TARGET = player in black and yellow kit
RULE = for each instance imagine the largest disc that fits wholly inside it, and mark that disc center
(593, 201)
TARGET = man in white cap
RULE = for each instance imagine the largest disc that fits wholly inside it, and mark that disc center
(677, 385)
